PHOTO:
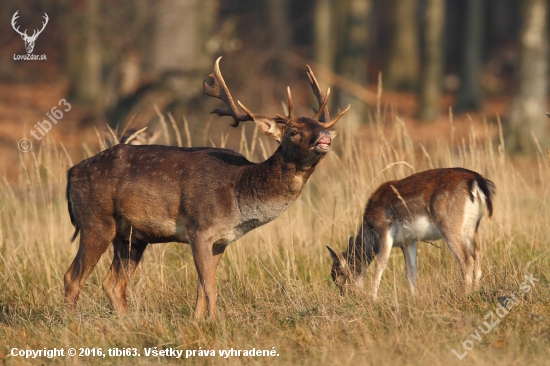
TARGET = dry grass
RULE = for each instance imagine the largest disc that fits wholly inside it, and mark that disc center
(274, 284)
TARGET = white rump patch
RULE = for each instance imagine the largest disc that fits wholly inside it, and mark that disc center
(472, 214)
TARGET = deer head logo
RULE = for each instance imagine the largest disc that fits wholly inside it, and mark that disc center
(29, 41)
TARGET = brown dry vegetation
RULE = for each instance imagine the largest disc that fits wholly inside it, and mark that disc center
(274, 284)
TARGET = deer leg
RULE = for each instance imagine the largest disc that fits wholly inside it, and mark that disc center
(460, 250)
(125, 261)
(93, 243)
(200, 304)
(411, 271)
(386, 242)
(207, 259)
(477, 263)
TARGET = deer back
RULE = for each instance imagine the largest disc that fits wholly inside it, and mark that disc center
(438, 194)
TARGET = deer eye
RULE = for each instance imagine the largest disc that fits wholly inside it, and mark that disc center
(293, 133)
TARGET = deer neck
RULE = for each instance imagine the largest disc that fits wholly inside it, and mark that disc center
(360, 255)
(269, 188)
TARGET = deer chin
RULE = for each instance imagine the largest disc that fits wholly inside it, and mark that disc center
(323, 145)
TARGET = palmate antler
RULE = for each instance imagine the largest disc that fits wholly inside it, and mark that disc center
(218, 89)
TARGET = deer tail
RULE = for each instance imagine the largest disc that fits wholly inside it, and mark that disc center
(71, 208)
(488, 189)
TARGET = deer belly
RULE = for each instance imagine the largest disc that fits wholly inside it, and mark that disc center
(419, 229)
(153, 231)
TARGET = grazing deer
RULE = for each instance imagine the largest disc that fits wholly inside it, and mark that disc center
(206, 197)
(435, 204)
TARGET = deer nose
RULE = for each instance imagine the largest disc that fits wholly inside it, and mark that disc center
(326, 140)
(323, 143)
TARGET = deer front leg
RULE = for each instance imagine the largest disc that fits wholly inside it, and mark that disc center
(411, 271)
(386, 242)
(207, 258)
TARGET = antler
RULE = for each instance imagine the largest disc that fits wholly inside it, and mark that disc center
(322, 114)
(13, 20)
(319, 95)
(219, 90)
(35, 34)
(284, 119)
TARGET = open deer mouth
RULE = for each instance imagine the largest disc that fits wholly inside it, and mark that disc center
(323, 145)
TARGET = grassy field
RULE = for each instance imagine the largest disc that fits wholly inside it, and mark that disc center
(275, 291)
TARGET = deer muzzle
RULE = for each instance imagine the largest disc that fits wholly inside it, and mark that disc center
(322, 146)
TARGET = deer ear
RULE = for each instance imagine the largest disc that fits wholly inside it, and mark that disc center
(335, 256)
(268, 127)
(333, 134)
(154, 137)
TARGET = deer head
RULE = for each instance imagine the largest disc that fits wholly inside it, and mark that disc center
(348, 267)
(29, 41)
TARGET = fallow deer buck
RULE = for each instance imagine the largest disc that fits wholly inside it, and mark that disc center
(205, 197)
(435, 204)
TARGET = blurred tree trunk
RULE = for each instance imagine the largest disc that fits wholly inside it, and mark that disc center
(352, 62)
(324, 33)
(280, 30)
(469, 95)
(529, 103)
(278, 20)
(180, 51)
(183, 28)
(433, 64)
(403, 64)
(84, 59)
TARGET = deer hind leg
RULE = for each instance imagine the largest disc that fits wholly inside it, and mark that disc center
(94, 241)
(411, 271)
(386, 242)
(460, 249)
(207, 258)
(477, 263)
(125, 261)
